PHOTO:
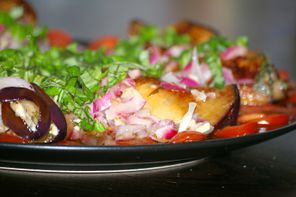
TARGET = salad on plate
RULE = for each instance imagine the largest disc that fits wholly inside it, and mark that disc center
(178, 84)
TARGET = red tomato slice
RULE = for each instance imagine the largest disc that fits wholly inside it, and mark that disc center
(244, 118)
(273, 121)
(283, 74)
(268, 109)
(58, 38)
(292, 98)
(108, 41)
(237, 131)
(135, 142)
(11, 138)
(188, 136)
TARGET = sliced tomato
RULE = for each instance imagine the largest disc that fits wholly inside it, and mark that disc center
(292, 98)
(11, 138)
(237, 131)
(69, 142)
(188, 136)
(108, 42)
(135, 142)
(244, 118)
(283, 74)
(268, 109)
(58, 38)
(273, 121)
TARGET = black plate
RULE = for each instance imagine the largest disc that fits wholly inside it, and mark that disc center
(59, 158)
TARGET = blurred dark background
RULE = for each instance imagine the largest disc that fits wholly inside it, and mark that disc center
(269, 24)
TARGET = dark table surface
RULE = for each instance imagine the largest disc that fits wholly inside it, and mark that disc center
(265, 169)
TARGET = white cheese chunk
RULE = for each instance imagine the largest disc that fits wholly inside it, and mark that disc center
(27, 111)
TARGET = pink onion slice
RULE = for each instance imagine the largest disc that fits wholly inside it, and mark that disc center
(134, 74)
(154, 55)
(102, 103)
(233, 52)
(171, 86)
(228, 76)
(245, 81)
(191, 83)
(2, 28)
(127, 132)
(130, 105)
(163, 130)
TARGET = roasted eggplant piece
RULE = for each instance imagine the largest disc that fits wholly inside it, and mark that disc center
(135, 26)
(220, 109)
(12, 119)
(245, 66)
(199, 33)
(29, 13)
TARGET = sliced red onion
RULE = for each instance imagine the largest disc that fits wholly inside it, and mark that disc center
(233, 52)
(170, 78)
(134, 119)
(187, 117)
(134, 74)
(131, 105)
(118, 89)
(195, 69)
(154, 55)
(6, 82)
(228, 76)
(129, 82)
(145, 113)
(171, 66)
(175, 51)
(15, 123)
(127, 132)
(163, 130)
(171, 86)
(102, 103)
(76, 133)
(2, 28)
(245, 81)
(203, 68)
(188, 67)
(191, 83)
(169, 134)
(206, 71)
(100, 117)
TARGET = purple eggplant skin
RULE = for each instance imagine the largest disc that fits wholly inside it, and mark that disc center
(16, 124)
(230, 117)
(57, 116)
